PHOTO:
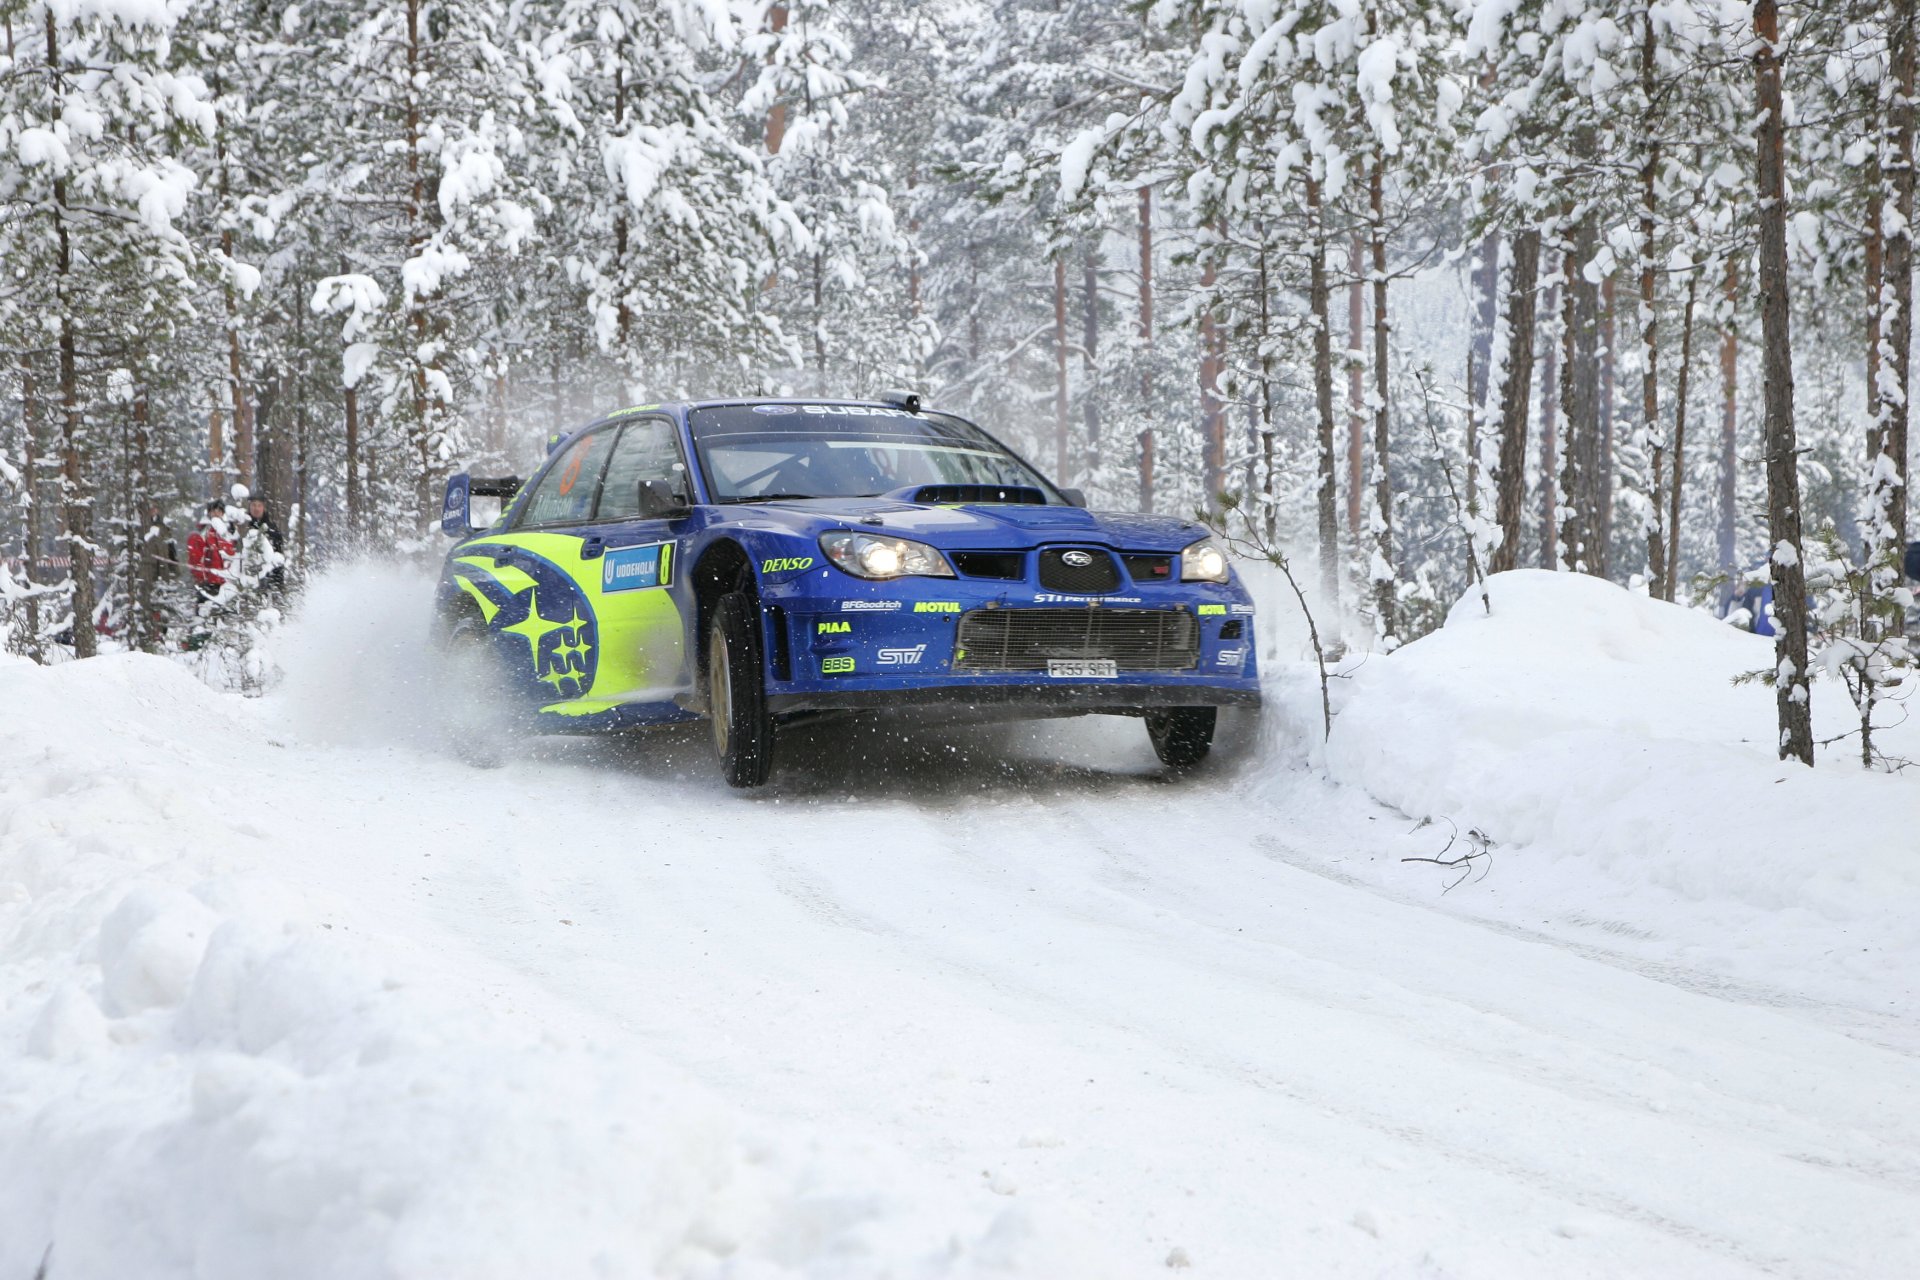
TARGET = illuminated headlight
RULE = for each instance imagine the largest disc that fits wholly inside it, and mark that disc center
(1203, 562)
(865, 555)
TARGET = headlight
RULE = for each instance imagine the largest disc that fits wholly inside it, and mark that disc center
(1204, 561)
(866, 555)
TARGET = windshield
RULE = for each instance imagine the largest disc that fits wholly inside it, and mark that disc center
(758, 452)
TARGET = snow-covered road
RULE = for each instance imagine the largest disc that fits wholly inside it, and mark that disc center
(968, 1002)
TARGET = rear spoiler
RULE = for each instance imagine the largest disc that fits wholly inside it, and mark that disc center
(499, 487)
(456, 514)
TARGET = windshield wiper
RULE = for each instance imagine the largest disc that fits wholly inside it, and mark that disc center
(774, 497)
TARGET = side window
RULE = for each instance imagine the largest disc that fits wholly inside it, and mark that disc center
(565, 495)
(648, 450)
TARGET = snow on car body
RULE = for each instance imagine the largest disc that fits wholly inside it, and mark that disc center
(758, 562)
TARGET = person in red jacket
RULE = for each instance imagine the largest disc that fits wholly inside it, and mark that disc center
(209, 550)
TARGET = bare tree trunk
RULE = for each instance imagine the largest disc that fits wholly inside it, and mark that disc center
(1060, 369)
(1516, 391)
(243, 443)
(1657, 537)
(1090, 348)
(1792, 691)
(1213, 418)
(1319, 303)
(777, 113)
(217, 451)
(422, 460)
(76, 498)
(1146, 342)
(624, 317)
(76, 490)
(1356, 391)
(356, 495)
(1671, 586)
(1550, 430)
(1604, 474)
(1899, 260)
(34, 519)
(144, 556)
(1486, 286)
(1580, 393)
(1384, 586)
(1729, 422)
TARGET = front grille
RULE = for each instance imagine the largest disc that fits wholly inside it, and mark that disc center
(1010, 565)
(1024, 639)
(1150, 568)
(1096, 577)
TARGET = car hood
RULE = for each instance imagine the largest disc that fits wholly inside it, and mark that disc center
(984, 526)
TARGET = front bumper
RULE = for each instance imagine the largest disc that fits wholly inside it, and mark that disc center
(836, 643)
(1115, 697)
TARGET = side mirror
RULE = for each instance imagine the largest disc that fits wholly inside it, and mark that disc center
(456, 519)
(658, 501)
(1075, 497)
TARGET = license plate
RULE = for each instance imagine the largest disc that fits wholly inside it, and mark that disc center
(1082, 668)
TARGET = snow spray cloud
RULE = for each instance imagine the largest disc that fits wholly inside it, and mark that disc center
(356, 658)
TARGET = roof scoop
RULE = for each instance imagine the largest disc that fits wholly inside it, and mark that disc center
(970, 495)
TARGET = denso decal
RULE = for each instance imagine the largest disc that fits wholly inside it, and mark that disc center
(786, 564)
(902, 657)
(936, 606)
(835, 666)
(833, 628)
(869, 606)
(1213, 610)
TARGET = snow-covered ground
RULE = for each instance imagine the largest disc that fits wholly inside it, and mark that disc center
(284, 991)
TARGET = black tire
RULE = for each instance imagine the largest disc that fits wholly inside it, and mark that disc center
(472, 709)
(737, 692)
(1182, 736)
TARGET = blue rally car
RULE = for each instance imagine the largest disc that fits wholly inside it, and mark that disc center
(762, 562)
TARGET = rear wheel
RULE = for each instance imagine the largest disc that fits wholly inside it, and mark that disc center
(471, 707)
(1182, 736)
(737, 692)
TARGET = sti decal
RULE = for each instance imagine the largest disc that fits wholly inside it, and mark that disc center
(902, 657)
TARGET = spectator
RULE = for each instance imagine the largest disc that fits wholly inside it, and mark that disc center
(209, 550)
(258, 520)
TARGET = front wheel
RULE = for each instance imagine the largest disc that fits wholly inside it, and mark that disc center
(1182, 736)
(737, 693)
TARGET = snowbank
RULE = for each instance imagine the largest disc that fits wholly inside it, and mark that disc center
(1590, 730)
(205, 1072)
